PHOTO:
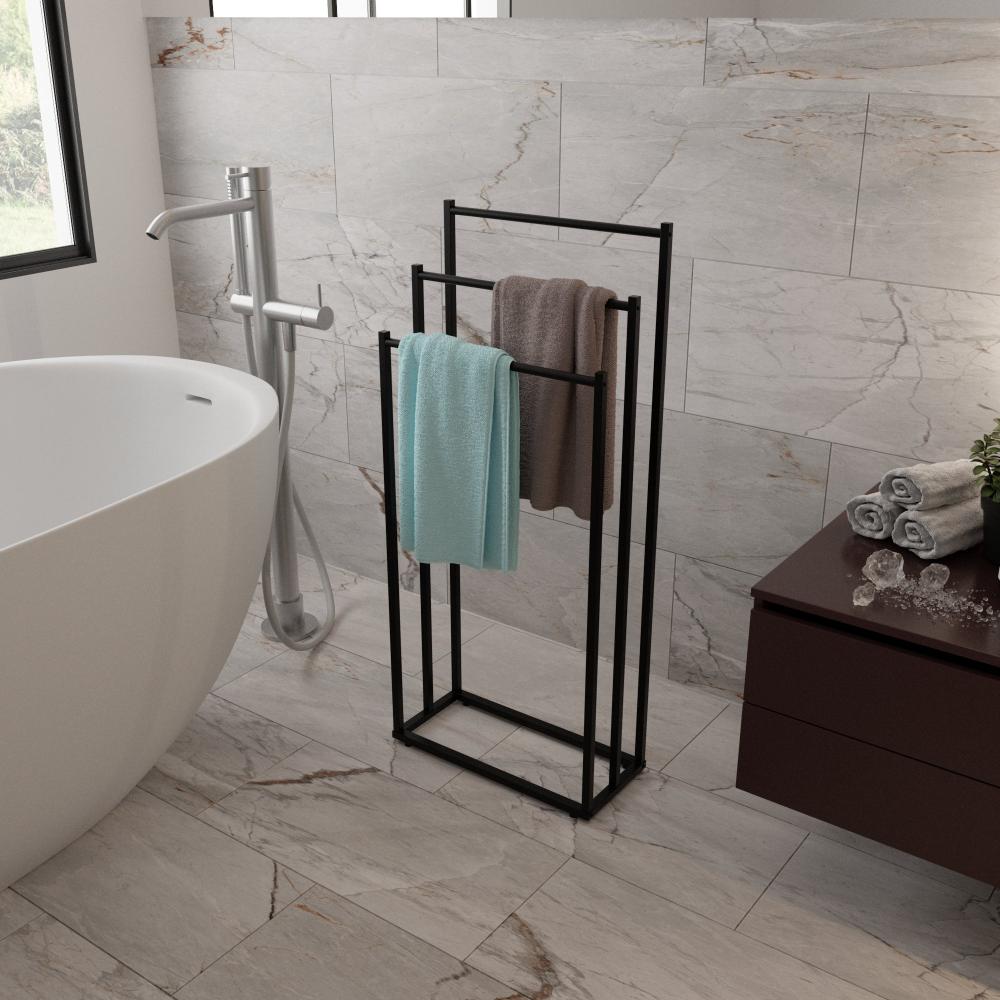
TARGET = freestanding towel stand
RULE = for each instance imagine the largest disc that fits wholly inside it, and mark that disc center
(622, 766)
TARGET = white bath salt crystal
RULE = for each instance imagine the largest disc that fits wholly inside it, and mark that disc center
(864, 595)
(934, 577)
(884, 568)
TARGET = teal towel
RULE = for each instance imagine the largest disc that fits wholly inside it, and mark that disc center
(459, 452)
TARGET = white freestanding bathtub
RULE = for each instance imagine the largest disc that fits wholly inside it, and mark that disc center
(135, 503)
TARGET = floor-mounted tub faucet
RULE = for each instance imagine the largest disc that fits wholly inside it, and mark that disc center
(269, 326)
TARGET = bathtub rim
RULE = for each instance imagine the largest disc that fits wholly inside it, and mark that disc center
(266, 418)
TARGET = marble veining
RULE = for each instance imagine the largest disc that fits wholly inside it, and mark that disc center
(881, 366)
(854, 471)
(202, 42)
(715, 162)
(929, 55)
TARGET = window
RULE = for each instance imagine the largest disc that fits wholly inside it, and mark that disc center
(355, 8)
(44, 214)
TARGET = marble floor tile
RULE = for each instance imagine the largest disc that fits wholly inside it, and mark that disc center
(46, 961)
(362, 265)
(618, 50)
(709, 626)
(186, 42)
(484, 143)
(586, 935)
(15, 912)
(345, 702)
(362, 616)
(716, 163)
(209, 120)
(687, 845)
(319, 415)
(159, 890)
(250, 651)
(936, 56)
(423, 864)
(887, 930)
(625, 272)
(545, 679)
(395, 46)
(885, 367)
(854, 471)
(222, 748)
(709, 762)
(547, 595)
(735, 495)
(321, 944)
(929, 206)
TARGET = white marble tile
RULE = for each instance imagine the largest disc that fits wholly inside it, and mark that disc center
(392, 46)
(362, 624)
(709, 762)
(545, 679)
(613, 50)
(321, 944)
(625, 272)
(854, 471)
(548, 594)
(364, 402)
(222, 748)
(319, 415)
(159, 890)
(345, 702)
(15, 912)
(745, 175)
(735, 495)
(687, 845)
(362, 265)
(927, 55)
(209, 120)
(485, 143)
(250, 651)
(709, 626)
(46, 961)
(185, 42)
(890, 931)
(589, 936)
(431, 868)
(886, 367)
(929, 208)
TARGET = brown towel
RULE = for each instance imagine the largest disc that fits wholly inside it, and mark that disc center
(559, 323)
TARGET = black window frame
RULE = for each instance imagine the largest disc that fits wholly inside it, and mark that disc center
(332, 6)
(82, 250)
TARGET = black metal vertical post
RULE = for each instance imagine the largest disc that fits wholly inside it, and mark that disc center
(417, 297)
(653, 490)
(597, 454)
(624, 535)
(392, 555)
(451, 328)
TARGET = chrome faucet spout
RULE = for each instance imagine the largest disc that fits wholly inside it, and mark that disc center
(186, 213)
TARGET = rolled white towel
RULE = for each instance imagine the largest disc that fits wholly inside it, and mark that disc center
(929, 486)
(933, 534)
(872, 516)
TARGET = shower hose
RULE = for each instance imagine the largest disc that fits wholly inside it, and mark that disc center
(287, 398)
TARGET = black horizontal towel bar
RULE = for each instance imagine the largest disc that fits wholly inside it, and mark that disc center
(456, 279)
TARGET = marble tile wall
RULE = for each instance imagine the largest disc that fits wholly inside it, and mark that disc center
(835, 307)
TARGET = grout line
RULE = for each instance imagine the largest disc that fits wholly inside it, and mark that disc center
(769, 884)
(861, 172)
(437, 47)
(826, 490)
(704, 66)
(559, 171)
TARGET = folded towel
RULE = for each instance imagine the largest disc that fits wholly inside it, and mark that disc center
(925, 487)
(933, 534)
(872, 516)
(559, 323)
(459, 434)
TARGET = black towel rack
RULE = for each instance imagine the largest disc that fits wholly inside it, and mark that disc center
(623, 766)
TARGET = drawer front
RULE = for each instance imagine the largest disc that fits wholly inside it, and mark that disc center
(943, 817)
(907, 701)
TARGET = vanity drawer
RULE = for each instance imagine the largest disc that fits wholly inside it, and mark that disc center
(942, 817)
(938, 710)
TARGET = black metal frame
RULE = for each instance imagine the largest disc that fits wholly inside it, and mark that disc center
(623, 766)
(332, 7)
(81, 250)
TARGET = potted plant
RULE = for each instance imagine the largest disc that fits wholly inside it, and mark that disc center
(986, 456)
